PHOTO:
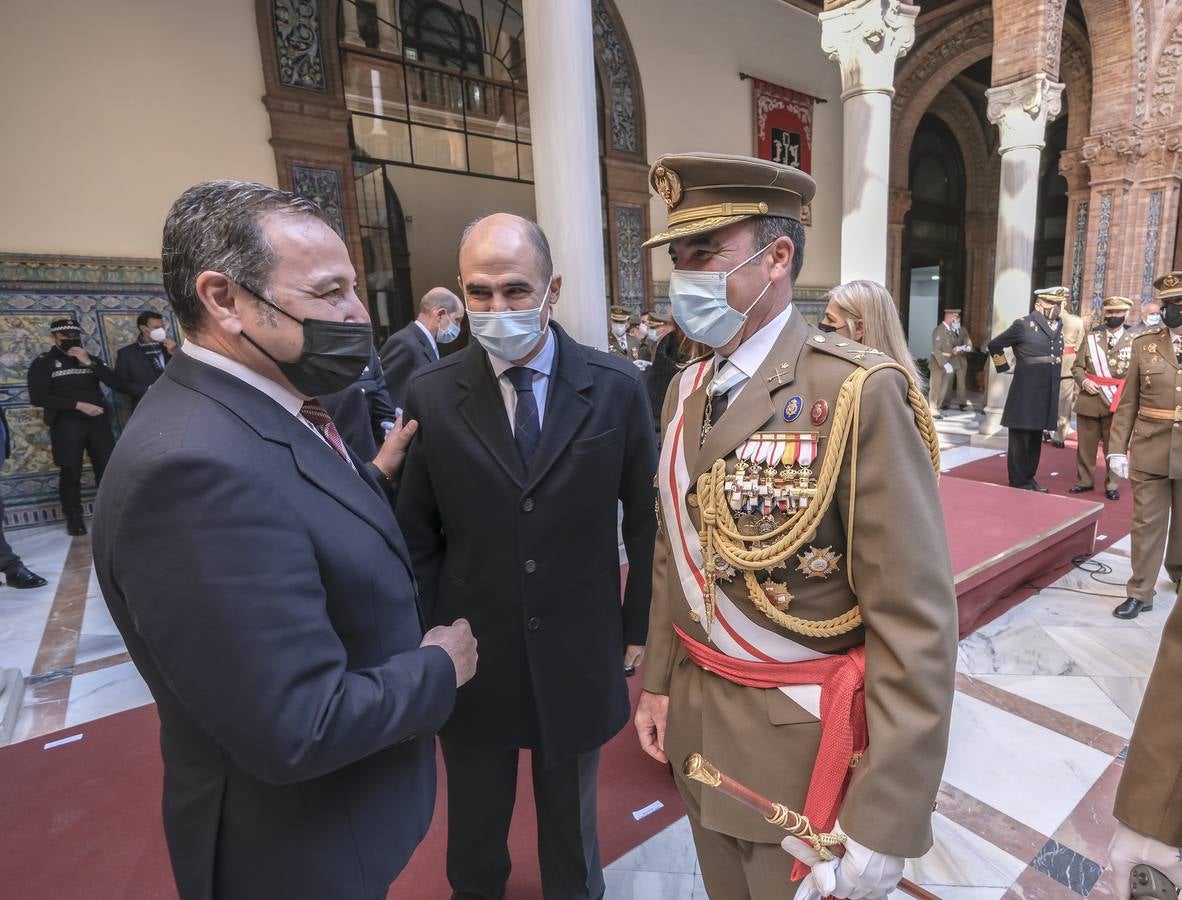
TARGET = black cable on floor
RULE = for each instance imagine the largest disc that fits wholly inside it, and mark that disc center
(1093, 567)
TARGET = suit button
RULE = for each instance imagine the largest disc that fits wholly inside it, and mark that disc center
(534, 623)
(527, 505)
(530, 567)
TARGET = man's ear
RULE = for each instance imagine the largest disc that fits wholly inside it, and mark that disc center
(555, 288)
(783, 252)
(220, 296)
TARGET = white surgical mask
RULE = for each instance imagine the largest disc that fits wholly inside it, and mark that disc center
(698, 300)
(652, 335)
(618, 328)
(1153, 319)
(509, 335)
(448, 333)
(158, 335)
(642, 332)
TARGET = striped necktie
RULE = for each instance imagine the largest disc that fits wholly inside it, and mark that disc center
(322, 422)
(527, 428)
(728, 378)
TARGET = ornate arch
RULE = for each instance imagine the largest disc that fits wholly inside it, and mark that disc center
(1163, 105)
(1075, 71)
(1116, 20)
(953, 108)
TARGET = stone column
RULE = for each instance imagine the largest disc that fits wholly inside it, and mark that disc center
(387, 25)
(352, 34)
(980, 237)
(865, 37)
(560, 63)
(1020, 111)
(1073, 168)
(900, 205)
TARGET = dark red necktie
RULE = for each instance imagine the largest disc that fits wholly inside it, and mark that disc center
(322, 422)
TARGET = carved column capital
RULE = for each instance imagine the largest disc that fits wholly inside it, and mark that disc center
(1114, 155)
(1074, 168)
(1162, 155)
(865, 38)
(1021, 110)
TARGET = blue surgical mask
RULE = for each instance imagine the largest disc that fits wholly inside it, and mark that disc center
(698, 301)
(448, 334)
(509, 335)
(1153, 320)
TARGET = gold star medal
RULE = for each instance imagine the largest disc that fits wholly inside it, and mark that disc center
(818, 562)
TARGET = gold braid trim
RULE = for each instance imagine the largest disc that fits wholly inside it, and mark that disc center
(800, 827)
(721, 538)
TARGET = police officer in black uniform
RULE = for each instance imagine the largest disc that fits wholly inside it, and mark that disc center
(1032, 406)
(64, 382)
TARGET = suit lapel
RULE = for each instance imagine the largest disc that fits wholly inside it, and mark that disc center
(424, 342)
(567, 406)
(483, 408)
(754, 406)
(1045, 325)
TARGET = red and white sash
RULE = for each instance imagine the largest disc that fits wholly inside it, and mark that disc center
(731, 631)
(1099, 351)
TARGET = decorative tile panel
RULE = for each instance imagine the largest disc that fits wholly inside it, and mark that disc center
(1153, 234)
(629, 258)
(322, 185)
(1077, 253)
(297, 45)
(1101, 280)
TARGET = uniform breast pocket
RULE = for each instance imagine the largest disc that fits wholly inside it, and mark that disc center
(1148, 373)
(592, 444)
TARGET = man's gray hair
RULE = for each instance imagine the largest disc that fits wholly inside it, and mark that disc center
(440, 298)
(217, 226)
(533, 233)
(769, 228)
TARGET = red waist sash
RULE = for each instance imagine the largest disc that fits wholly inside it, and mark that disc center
(844, 736)
(1118, 383)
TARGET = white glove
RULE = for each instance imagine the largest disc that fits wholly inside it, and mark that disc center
(1128, 848)
(948, 368)
(1118, 465)
(862, 874)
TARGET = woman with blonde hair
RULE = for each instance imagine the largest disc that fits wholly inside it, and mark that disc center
(864, 312)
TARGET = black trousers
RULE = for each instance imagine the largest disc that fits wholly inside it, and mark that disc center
(70, 435)
(1025, 448)
(8, 558)
(481, 789)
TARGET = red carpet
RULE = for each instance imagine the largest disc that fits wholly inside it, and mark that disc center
(83, 820)
(1057, 471)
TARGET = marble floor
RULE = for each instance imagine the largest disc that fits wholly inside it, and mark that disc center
(1046, 699)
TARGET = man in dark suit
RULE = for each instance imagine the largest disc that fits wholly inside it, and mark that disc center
(270, 605)
(16, 575)
(526, 442)
(417, 345)
(138, 365)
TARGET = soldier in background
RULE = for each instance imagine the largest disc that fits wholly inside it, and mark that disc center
(950, 343)
(65, 382)
(1099, 370)
(1146, 423)
(1033, 402)
(1074, 330)
(619, 341)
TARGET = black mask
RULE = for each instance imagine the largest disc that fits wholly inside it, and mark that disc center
(1115, 322)
(333, 357)
(827, 328)
(69, 344)
(1052, 313)
(1171, 315)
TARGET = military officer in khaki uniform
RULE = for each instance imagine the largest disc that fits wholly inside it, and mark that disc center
(1146, 446)
(1149, 798)
(619, 341)
(1099, 370)
(791, 460)
(1074, 330)
(950, 343)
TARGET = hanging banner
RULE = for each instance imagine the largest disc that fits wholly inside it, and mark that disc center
(784, 129)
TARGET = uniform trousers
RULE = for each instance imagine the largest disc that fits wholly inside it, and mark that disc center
(1022, 456)
(70, 435)
(940, 384)
(1067, 389)
(481, 789)
(1157, 517)
(1092, 431)
(735, 869)
(8, 557)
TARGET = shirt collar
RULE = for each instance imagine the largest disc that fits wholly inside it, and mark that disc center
(423, 328)
(750, 354)
(543, 363)
(285, 397)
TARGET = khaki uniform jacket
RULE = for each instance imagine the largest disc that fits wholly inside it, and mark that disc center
(1149, 799)
(635, 346)
(1074, 332)
(1094, 405)
(1153, 382)
(944, 343)
(900, 561)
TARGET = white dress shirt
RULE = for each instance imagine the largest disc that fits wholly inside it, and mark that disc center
(542, 365)
(750, 354)
(434, 345)
(284, 396)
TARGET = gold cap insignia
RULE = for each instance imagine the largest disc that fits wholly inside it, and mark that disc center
(667, 183)
(1170, 281)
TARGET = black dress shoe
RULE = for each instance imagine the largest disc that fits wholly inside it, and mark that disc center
(1112, 495)
(1080, 489)
(1131, 608)
(1035, 486)
(963, 407)
(22, 578)
(1059, 444)
(74, 524)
